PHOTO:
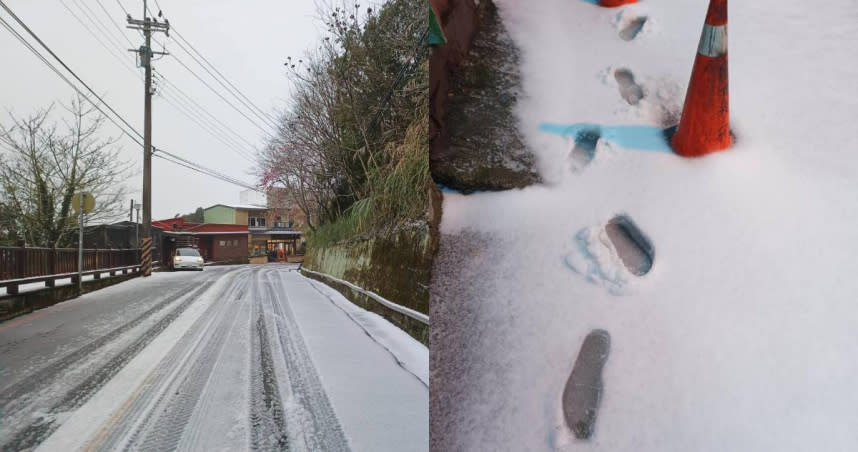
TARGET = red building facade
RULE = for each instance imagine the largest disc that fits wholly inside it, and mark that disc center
(226, 243)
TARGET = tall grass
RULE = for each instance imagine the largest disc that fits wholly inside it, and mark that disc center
(398, 181)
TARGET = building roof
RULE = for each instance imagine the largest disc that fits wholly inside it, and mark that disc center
(183, 226)
(215, 228)
(239, 206)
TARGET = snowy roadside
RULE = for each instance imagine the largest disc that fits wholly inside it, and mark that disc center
(408, 352)
(748, 311)
(371, 370)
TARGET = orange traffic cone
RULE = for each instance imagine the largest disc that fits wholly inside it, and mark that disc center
(613, 3)
(705, 123)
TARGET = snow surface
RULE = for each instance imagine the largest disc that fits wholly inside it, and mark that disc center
(380, 404)
(233, 358)
(743, 334)
(412, 355)
(29, 287)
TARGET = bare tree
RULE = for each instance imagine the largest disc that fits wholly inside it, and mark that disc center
(339, 148)
(43, 164)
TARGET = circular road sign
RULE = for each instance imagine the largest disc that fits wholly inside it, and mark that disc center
(88, 202)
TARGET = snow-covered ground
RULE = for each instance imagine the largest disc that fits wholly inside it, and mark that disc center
(29, 287)
(743, 335)
(233, 358)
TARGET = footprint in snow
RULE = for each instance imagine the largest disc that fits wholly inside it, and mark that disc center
(629, 29)
(584, 148)
(613, 255)
(629, 90)
(630, 22)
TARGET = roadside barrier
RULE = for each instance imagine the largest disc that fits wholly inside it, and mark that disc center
(419, 316)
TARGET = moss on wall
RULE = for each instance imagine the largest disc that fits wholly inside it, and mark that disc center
(396, 265)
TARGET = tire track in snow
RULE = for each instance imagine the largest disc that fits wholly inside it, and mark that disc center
(317, 424)
(166, 431)
(43, 377)
(41, 428)
(130, 427)
(268, 424)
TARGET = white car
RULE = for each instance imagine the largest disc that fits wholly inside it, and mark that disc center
(187, 258)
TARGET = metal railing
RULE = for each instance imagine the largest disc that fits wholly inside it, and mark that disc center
(19, 262)
(419, 316)
(22, 265)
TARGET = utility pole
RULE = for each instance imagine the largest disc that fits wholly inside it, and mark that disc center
(147, 26)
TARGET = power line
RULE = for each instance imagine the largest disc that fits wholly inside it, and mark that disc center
(220, 78)
(202, 109)
(106, 47)
(99, 24)
(136, 139)
(183, 109)
(199, 78)
(64, 65)
(122, 8)
(237, 93)
(202, 169)
(223, 98)
(234, 146)
(116, 25)
(64, 78)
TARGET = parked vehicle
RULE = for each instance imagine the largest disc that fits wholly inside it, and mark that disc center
(186, 258)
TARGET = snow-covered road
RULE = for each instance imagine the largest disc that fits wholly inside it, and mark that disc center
(233, 358)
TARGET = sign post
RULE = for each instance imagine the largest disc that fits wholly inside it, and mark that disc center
(83, 203)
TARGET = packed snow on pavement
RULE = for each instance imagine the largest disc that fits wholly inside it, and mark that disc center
(742, 336)
(233, 358)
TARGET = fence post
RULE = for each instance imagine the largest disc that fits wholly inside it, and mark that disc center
(21, 259)
(53, 267)
(96, 275)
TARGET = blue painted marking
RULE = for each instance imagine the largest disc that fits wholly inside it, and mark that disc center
(643, 138)
(445, 189)
(592, 2)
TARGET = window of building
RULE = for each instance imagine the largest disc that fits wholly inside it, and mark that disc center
(256, 222)
(222, 243)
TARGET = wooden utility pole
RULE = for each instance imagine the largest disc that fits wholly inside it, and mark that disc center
(147, 26)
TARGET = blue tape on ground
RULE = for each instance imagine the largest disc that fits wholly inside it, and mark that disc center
(445, 189)
(643, 138)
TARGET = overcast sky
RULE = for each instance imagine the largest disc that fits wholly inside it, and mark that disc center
(247, 41)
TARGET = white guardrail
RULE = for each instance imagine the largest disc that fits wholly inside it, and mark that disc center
(419, 316)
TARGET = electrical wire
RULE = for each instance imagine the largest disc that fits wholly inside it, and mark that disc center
(99, 24)
(209, 128)
(218, 75)
(199, 108)
(242, 99)
(115, 25)
(188, 164)
(181, 63)
(69, 82)
(65, 66)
